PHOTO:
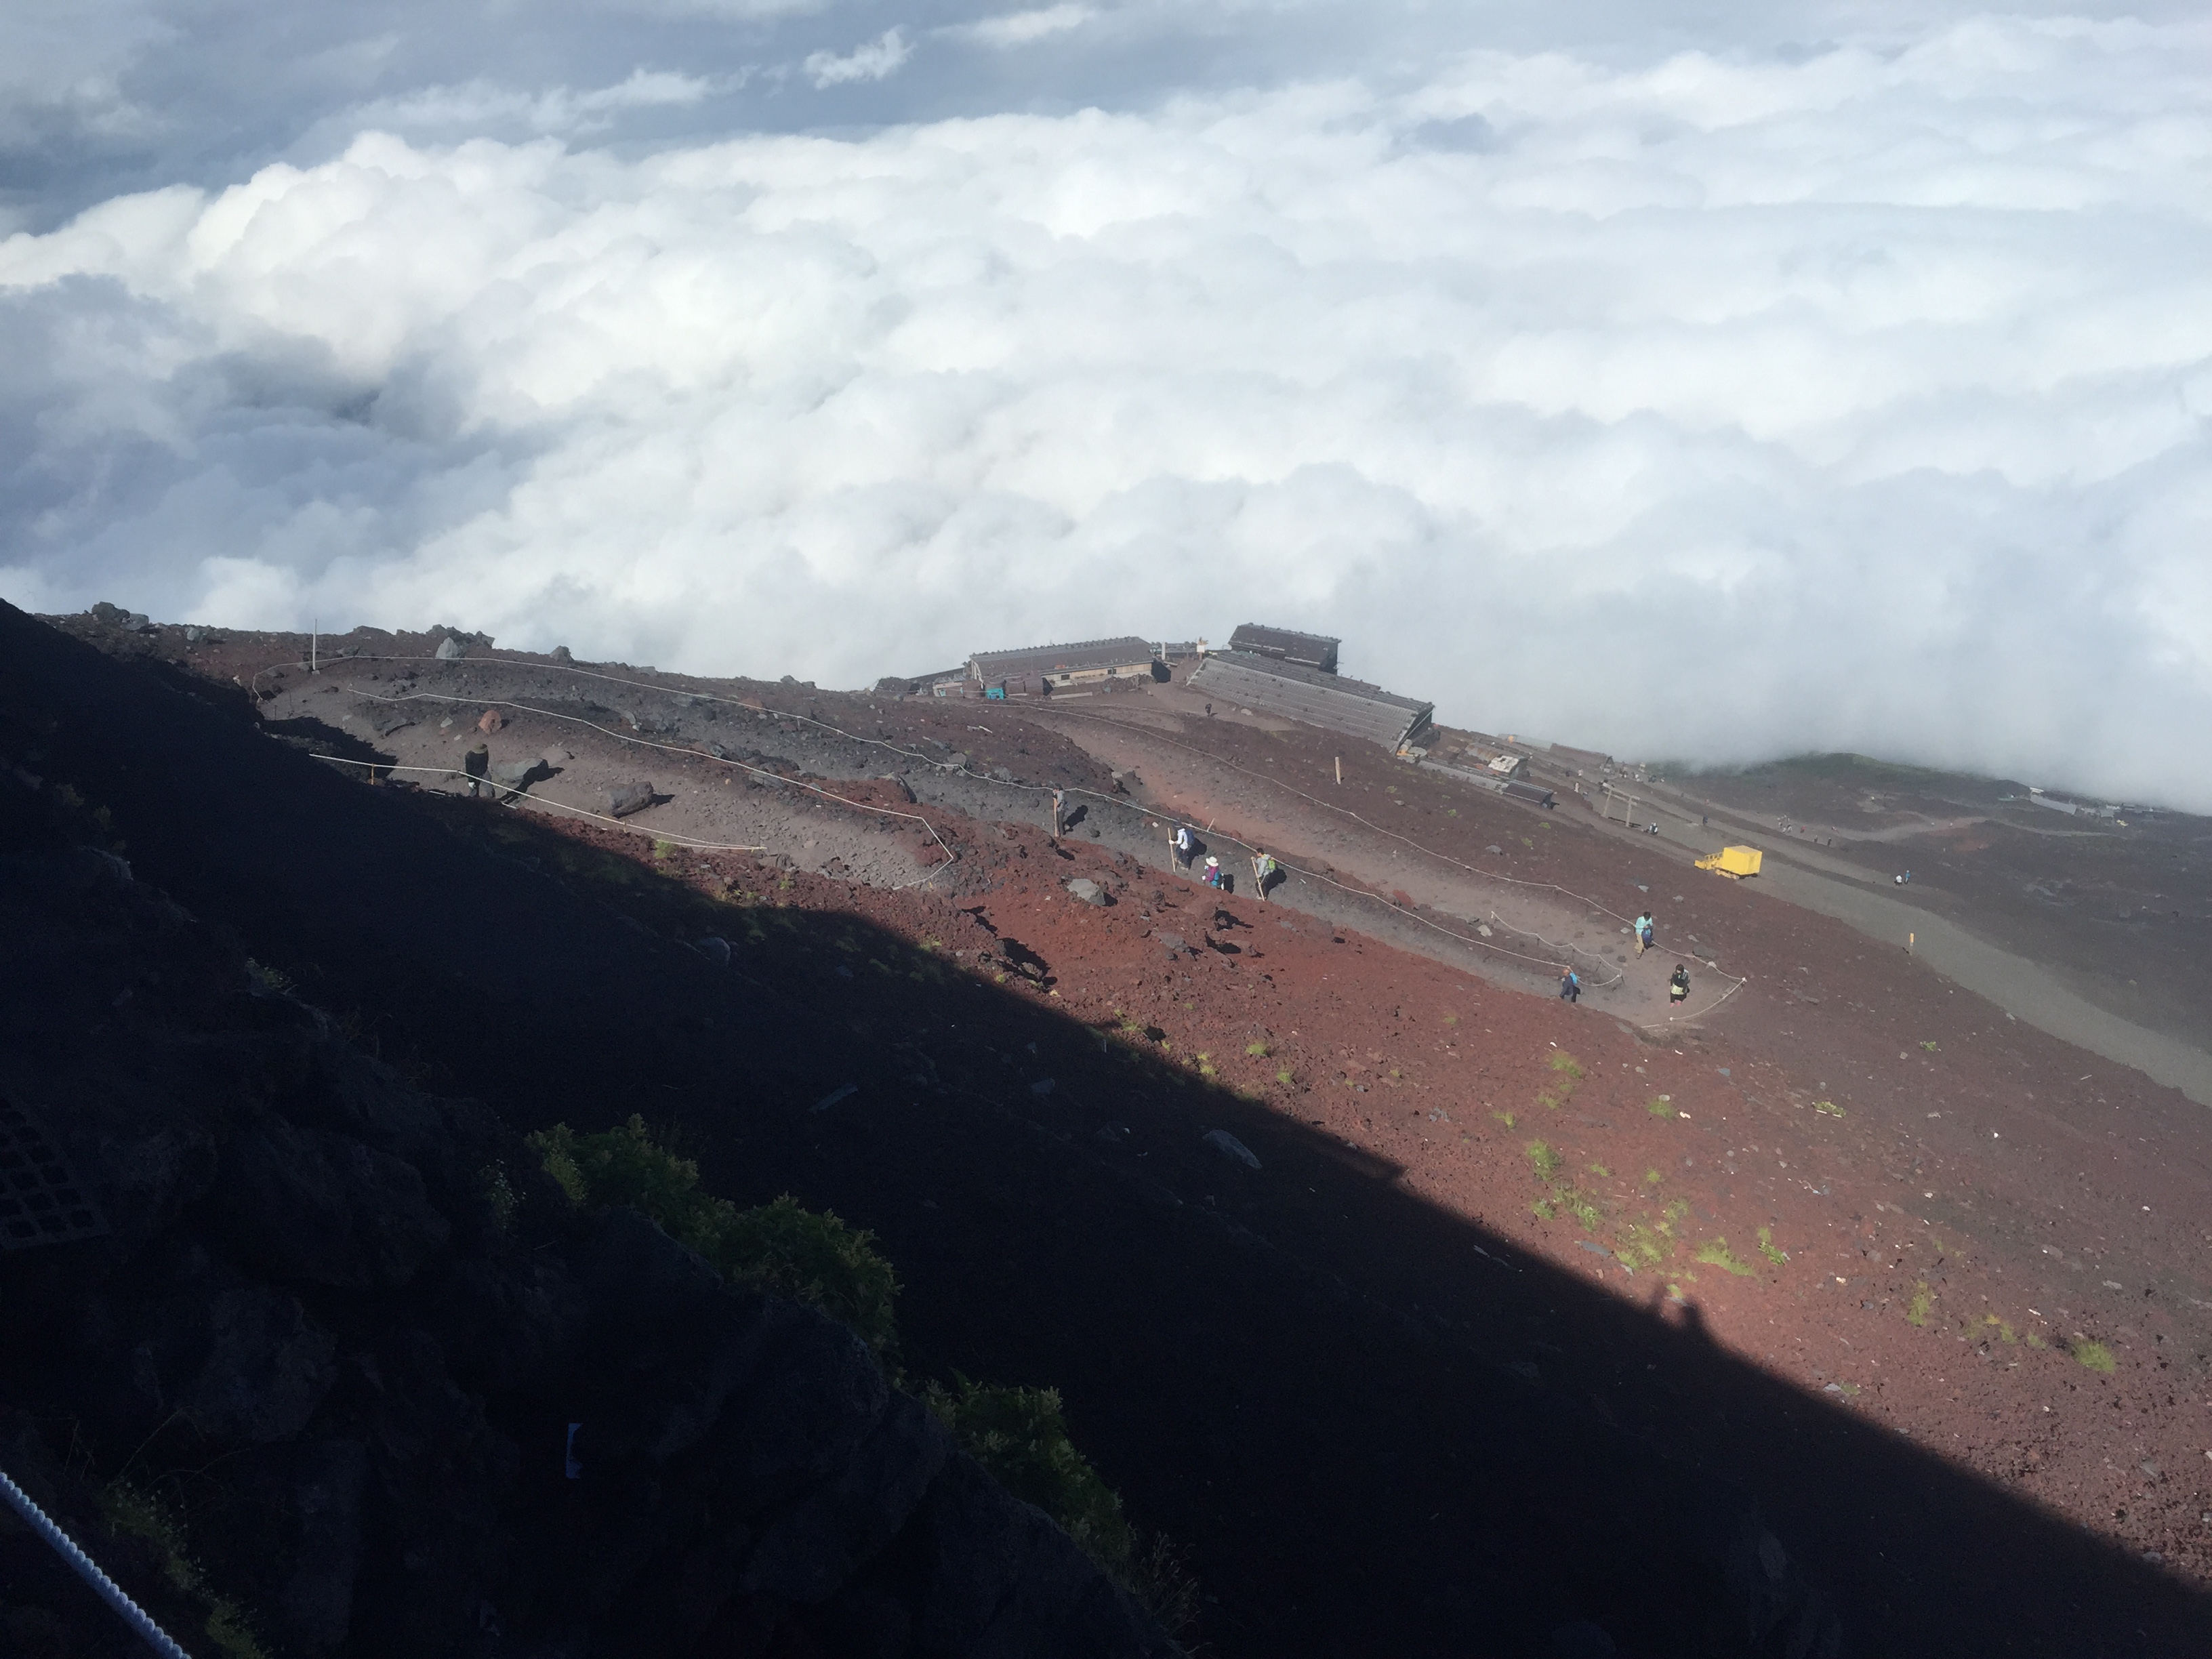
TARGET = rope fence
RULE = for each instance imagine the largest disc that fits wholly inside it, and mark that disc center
(85, 1567)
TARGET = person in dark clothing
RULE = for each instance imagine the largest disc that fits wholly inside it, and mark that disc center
(1678, 988)
(1571, 987)
(477, 763)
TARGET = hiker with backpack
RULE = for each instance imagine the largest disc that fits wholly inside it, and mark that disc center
(1264, 871)
(1571, 987)
(1678, 988)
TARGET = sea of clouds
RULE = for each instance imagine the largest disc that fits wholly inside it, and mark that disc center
(1706, 393)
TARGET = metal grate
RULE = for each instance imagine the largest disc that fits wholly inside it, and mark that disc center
(41, 1200)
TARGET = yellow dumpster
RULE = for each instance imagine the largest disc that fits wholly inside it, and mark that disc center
(1733, 862)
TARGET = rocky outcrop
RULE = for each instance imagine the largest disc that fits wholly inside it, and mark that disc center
(347, 1329)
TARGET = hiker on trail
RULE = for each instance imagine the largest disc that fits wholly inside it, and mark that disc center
(1263, 871)
(476, 763)
(1906, 877)
(1183, 846)
(1678, 988)
(1212, 876)
(1642, 932)
(1058, 813)
(1571, 987)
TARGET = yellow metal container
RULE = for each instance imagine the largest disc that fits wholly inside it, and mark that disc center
(1733, 862)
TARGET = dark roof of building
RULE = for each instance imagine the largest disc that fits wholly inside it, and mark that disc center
(1328, 701)
(1075, 659)
(1286, 645)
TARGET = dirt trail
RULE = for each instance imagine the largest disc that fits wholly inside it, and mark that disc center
(2025, 990)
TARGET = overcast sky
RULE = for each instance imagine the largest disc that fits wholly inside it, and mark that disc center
(1703, 381)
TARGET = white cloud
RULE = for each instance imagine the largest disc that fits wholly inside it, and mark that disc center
(878, 60)
(479, 105)
(1021, 28)
(1709, 404)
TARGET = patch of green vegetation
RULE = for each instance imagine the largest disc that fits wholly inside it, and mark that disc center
(1258, 1050)
(2005, 1332)
(1600, 1171)
(1659, 1106)
(1717, 1253)
(1452, 812)
(137, 1513)
(2035, 1342)
(1543, 1160)
(1451, 1019)
(1548, 1101)
(1652, 1177)
(1827, 1108)
(810, 1255)
(1286, 1077)
(1020, 1435)
(1639, 1246)
(1929, 1047)
(1525, 841)
(1674, 1291)
(1564, 1061)
(1916, 1310)
(1767, 1249)
(1541, 1209)
(1506, 1118)
(2096, 1356)
(1205, 1065)
(662, 850)
(268, 982)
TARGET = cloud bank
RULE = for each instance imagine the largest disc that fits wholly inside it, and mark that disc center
(1698, 403)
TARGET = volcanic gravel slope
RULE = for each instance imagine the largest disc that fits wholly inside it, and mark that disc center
(1847, 1242)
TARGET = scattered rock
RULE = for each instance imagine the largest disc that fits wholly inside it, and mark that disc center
(1088, 890)
(1494, 849)
(1002, 773)
(1483, 928)
(103, 611)
(625, 799)
(955, 760)
(1114, 1134)
(490, 721)
(561, 654)
(450, 649)
(716, 951)
(843, 1092)
(1175, 943)
(1042, 1086)
(1229, 1147)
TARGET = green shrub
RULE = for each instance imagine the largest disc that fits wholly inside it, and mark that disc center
(810, 1255)
(1718, 1255)
(1020, 1435)
(813, 1256)
(137, 1513)
(2096, 1356)
(1543, 1160)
